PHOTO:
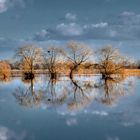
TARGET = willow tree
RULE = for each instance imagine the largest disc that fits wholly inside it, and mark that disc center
(77, 54)
(29, 56)
(53, 58)
(110, 61)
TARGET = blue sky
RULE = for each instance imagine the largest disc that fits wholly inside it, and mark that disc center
(94, 22)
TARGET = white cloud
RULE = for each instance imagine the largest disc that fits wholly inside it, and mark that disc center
(97, 25)
(7, 134)
(71, 122)
(101, 113)
(71, 29)
(128, 124)
(130, 18)
(127, 13)
(100, 25)
(42, 35)
(70, 16)
(3, 6)
(6, 4)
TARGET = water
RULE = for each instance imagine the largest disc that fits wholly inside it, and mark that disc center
(86, 109)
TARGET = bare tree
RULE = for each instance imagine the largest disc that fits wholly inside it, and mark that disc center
(110, 61)
(53, 56)
(29, 55)
(77, 55)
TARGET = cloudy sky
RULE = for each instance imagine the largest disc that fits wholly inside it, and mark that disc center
(94, 22)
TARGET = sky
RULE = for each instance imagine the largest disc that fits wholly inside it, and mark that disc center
(96, 23)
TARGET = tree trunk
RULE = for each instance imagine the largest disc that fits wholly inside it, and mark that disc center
(71, 74)
(72, 71)
(53, 75)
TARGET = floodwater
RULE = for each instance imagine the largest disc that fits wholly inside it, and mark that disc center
(87, 108)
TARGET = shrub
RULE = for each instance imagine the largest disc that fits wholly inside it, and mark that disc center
(5, 70)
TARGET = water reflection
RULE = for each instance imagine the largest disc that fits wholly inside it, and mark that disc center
(82, 94)
(64, 105)
(113, 88)
(27, 96)
(55, 92)
(75, 94)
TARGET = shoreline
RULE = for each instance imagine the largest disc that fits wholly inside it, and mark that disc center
(127, 72)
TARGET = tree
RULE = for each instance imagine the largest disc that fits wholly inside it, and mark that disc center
(110, 61)
(29, 55)
(5, 70)
(77, 55)
(53, 56)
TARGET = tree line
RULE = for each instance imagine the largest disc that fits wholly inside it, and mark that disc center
(73, 58)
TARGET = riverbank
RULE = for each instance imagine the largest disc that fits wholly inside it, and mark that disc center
(133, 72)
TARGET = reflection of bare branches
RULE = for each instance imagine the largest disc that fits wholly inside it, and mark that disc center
(28, 97)
(113, 89)
(81, 94)
(75, 94)
(53, 95)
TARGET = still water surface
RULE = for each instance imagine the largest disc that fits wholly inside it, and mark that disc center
(87, 108)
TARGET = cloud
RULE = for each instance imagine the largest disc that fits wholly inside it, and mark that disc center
(3, 6)
(71, 29)
(100, 113)
(127, 13)
(7, 134)
(71, 122)
(113, 138)
(42, 35)
(99, 31)
(70, 16)
(125, 27)
(129, 18)
(128, 124)
(6, 4)
(100, 25)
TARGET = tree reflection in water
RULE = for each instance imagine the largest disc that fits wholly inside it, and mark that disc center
(82, 94)
(27, 96)
(73, 94)
(55, 93)
(113, 88)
